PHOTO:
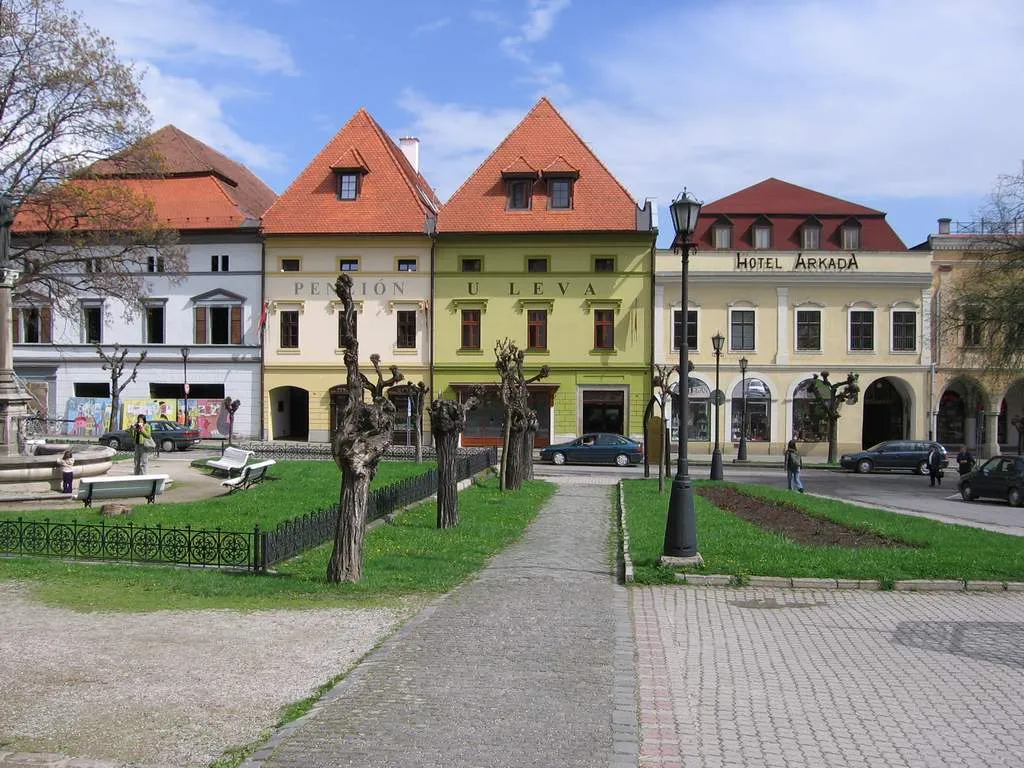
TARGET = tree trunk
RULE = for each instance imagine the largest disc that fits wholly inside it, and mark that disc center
(506, 447)
(514, 465)
(529, 437)
(347, 559)
(419, 442)
(663, 455)
(648, 412)
(446, 444)
(115, 407)
(231, 427)
(833, 424)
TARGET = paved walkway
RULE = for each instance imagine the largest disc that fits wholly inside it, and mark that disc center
(530, 664)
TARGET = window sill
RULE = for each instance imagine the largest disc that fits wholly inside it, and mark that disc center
(861, 352)
(610, 351)
(469, 351)
(538, 351)
(289, 351)
(807, 351)
(693, 350)
(904, 352)
(404, 351)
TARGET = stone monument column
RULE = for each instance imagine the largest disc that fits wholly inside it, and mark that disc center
(13, 401)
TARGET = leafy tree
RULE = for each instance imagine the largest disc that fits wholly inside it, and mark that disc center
(114, 361)
(830, 397)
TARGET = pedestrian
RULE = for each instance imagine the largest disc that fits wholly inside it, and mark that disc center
(935, 457)
(964, 460)
(67, 472)
(794, 463)
(143, 438)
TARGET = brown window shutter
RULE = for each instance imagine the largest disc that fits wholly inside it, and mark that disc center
(200, 335)
(16, 327)
(236, 325)
(45, 325)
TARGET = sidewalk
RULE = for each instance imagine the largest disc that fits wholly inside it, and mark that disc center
(530, 664)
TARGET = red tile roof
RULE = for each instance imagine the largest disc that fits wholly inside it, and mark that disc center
(600, 202)
(393, 196)
(788, 207)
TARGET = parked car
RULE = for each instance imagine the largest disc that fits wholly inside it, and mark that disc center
(168, 436)
(1001, 477)
(911, 455)
(595, 448)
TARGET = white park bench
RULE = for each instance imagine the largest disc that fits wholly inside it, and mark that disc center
(251, 474)
(231, 460)
(122, 487)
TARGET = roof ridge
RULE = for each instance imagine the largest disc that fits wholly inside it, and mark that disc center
(392, 148)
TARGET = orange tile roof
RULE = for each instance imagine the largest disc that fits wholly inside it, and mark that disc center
(600, 202)
(560, 166)
(393, 196)
(520, 166)
(774, 196)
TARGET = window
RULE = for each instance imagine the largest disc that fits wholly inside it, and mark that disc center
(604, 264)
(741, 323)
(155, 263)
(154, 324)
(700, 412)
(406, 329)
(604, 329)
(32, 325)
(537, 329)
(348, 186)
(407, 265)
(538, 264)
(290, 329)
(219, 262)
(751, 413)
(810, 419)
(218, 324)
(92, 389)
(355, 330)
(808, 330)
(519, 195)
(560, 191)
(348, 265)
(92, 323)
(471, 329)
(290, 265)
(810, 237)
(972, 327)
(722, 236)
(470, 265)
(93, 265)
(762, 236)
(851, 237)
(691, 328)
(904, 331)
(862, 330)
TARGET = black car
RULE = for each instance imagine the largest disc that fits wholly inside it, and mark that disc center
(910, 455)
(595, 448)
(1001, 477)
(168, 436)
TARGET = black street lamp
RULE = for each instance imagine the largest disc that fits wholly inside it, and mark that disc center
(681, 526)
(184, 364)
(718, 340)
(741, 454)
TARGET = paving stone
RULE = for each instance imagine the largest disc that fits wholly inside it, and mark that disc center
(985, 586)
(806, 583)
(928, 585)
(770, 581)
(705, 579)
(1015, 586)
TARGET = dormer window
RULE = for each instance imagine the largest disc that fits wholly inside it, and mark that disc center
(560, 175)
(519, 194)
(722, 235)
(349, 170)
(560, 193)
(810, 236)
(850, 235)
(519, 178)
(348, 186)
(762, 234)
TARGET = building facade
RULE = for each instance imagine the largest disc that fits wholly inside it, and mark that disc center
(360, 207)
(798, 282)
(543, 246)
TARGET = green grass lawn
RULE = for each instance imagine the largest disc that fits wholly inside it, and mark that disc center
(733, 546)
(407, 557)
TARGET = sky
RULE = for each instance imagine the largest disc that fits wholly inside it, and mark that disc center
(913, 107)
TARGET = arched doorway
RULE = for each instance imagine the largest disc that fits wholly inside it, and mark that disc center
(959, 418)
(885, 413)
(757, 406)
(949, 420)
(289, 413)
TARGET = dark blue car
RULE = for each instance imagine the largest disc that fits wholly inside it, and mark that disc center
(595, 448)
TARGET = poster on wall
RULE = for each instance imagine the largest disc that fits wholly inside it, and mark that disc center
(151, 409)
(208, 416)
(87, 416)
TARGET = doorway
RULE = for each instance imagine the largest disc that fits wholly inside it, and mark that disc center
(884, 413)
(289, 413)
(604, 410)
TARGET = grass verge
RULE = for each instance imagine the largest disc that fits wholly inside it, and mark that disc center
(735, 547)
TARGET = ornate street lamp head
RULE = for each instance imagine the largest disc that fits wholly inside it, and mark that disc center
(685, 211)
(743, 364)
(718, 340)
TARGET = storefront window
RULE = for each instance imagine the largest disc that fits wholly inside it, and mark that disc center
(700, 413)
(759, 399)
(810, 418)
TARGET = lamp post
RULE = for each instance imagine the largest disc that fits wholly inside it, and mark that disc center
(741, 454)
(681, 526)
(718, 340)
(184, 365)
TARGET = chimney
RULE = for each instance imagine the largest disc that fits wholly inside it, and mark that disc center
(944, 226)
(410, 147)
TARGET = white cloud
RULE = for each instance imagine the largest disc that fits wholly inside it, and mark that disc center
(540, 21)
(432, 26)
(541, 18)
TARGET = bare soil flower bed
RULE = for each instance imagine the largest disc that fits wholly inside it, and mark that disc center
(792, 522)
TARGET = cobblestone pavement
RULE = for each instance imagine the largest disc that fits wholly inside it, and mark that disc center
(530, 664)
(784, 678)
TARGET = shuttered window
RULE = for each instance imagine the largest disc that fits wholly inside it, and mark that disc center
(32, 325)
(218, 325)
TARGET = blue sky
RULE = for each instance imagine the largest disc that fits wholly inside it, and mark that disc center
(910, 106)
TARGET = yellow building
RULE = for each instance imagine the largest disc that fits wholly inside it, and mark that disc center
(542, 245)
(798, 283)
(360, 207)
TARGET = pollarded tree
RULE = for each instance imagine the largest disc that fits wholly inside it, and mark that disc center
(661, 389)
(520, 421)
(229, 408)
(114, 361)
(447, 421)
(830, 396)
(362, 435)
(419, 392)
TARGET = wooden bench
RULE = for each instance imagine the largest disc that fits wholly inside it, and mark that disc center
(251, 474)
(232, 459)
(122, 487)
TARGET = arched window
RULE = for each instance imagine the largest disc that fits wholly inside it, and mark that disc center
(810, 419)
(700, 411)
(758, 411)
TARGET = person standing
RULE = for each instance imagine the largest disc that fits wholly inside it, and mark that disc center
(935, 457)
(964, 461)
(67, 472)
(143, 437)
(794, 463)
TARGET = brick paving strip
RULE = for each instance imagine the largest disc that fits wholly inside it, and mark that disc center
(530, 664)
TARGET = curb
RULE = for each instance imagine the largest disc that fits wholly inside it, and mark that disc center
(627, 558)
(907, 585)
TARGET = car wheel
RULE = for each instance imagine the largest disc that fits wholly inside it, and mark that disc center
(114, 443)
(966, 492)
(864, 466)
(1014, 497)
(558, 458)
(167, 445)
(922, 468)
(622, 460)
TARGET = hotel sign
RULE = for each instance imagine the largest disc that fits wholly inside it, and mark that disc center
(801, 263)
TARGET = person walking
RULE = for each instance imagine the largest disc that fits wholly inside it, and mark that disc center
(67, 472)
(143, 438)
(935, 457)
(794, 463)
(964, 461)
